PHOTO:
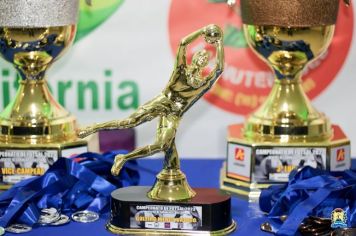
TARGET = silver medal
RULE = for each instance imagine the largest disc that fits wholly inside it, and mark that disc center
(61, 221)
(49, 211)
(18, 228)
(85, 216)
(48, 216)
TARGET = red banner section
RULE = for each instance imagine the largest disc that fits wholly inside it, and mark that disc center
(247, 80)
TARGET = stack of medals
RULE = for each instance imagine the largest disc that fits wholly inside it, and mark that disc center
(53, 217)
(50, 216)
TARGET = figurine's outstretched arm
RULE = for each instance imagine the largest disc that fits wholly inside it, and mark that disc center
(213, 35)
(214, 75)
(182, 51)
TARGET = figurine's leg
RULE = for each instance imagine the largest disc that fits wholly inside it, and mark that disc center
(164, 140)
(167, 139)
(120, 160)
(145, 113)
(171, 160)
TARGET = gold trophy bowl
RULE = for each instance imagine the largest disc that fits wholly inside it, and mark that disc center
(35, 130)
(34, 117)
(287, 115)
(286, 132)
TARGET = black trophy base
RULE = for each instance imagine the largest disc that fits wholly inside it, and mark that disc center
(133, 213)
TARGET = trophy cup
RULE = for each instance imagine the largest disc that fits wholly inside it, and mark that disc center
(34, 129)
(171, 206)
(286, 132)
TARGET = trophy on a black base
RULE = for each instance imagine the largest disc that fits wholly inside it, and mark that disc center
(286, 132)
(35, 130)
(132, 211)
(171, 206)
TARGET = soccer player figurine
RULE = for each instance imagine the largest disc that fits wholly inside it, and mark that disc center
(186, 86)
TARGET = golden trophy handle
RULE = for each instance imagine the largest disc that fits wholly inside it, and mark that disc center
(186, 85)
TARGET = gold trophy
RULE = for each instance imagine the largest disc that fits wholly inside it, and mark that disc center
(34, 129)
(171, 206)
(286, 132)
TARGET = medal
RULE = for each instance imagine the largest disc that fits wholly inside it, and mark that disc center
(85, 216)
(48, 216)
(63, 219)
(18, 228)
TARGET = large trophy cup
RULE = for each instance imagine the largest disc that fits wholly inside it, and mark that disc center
(34, 129)
(286, 132)
(171, 206)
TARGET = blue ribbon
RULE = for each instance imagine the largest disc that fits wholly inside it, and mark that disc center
(309, 192)
(80, 183)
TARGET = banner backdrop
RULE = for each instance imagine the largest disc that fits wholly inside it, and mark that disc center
(124, 55)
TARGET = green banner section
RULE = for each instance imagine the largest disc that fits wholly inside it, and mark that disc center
(93, 16)
(106, 93)
(234, 37)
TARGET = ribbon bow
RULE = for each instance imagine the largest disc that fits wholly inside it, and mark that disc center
(80, 183)
(310, 192)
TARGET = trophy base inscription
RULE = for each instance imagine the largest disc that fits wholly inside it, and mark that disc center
(19, 161)
(251, 167)
(133, 213)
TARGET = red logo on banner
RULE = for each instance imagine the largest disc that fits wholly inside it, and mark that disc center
(247, 80)
(239, 154)
(340, 155)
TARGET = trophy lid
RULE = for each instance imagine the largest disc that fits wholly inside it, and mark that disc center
(290, 13)
(38, 13)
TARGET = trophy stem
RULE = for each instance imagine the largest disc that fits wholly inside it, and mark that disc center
(34, 117)
(288, 112)
(171, 186)
(171, 183)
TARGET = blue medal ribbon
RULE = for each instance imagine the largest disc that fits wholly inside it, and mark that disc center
(309, 192)
(83, 182)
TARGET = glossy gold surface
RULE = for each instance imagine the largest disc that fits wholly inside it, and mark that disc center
(287, 116)
(116, 230)
(186, 85)
(34, 117)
